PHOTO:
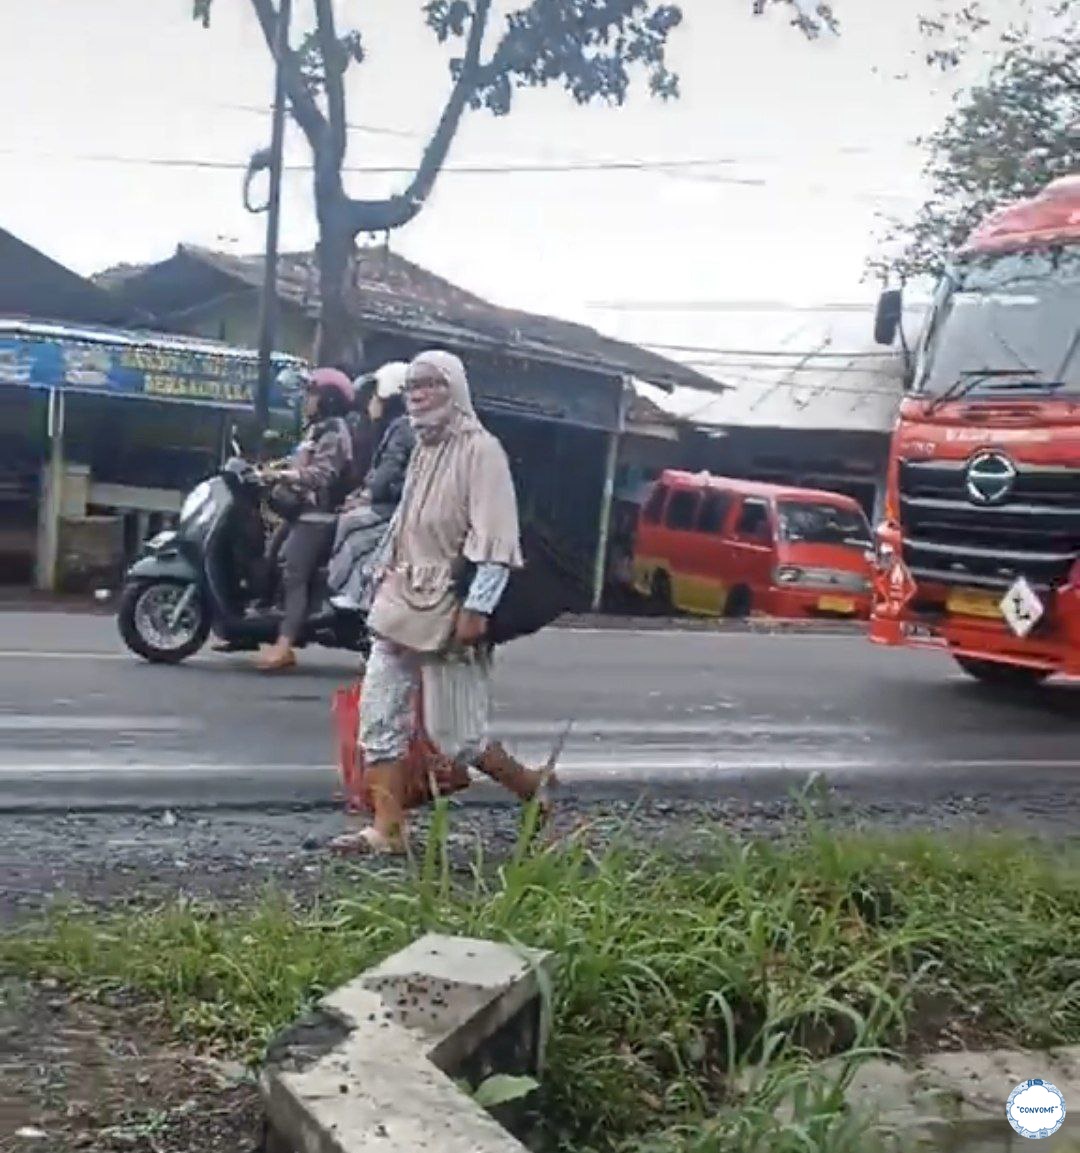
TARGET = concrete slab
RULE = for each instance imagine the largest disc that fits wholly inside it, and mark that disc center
(373, 1068)
(956, 1101)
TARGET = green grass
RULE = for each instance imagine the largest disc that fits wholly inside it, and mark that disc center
(679, 984)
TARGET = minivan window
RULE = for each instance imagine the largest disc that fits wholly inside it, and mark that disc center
(681, 509)
(818, 522)
(754, 520)
(655, 505)
(713, 512)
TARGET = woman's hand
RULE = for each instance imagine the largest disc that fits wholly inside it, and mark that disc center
(470, 628)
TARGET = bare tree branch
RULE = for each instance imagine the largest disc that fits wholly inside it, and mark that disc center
(334, 65)
(396, 211)
(305, 110)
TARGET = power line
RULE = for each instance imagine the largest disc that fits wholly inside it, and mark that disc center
(819, 389)
(738, 158)
(743, 307)
(659, 166)
(763, 352)
(403, 170)
(370, 129)
(765, 366)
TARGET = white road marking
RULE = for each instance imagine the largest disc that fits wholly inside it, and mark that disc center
(582, 768)
(119, 655)
(44, 655)
(801, 634)
(76, 723)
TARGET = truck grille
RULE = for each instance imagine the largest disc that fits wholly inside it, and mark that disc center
(949, 539)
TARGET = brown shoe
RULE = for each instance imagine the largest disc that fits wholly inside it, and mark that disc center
(436, 776)
(276, 658)
(526, 784)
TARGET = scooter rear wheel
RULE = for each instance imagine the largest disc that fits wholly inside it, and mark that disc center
(147, 625)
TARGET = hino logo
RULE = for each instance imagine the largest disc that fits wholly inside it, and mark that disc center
(990, 478)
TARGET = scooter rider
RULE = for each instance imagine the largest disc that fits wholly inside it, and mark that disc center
(368, 510)
(319, 475)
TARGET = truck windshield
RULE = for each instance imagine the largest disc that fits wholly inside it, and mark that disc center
(816, 522)
(1011, 311)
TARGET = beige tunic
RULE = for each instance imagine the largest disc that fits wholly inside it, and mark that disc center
(459, 502)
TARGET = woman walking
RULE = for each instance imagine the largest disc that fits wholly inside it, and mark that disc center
(458, 508)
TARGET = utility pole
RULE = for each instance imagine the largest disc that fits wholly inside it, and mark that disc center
(268, 305)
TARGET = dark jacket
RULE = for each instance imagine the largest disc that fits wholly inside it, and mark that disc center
(386, 480)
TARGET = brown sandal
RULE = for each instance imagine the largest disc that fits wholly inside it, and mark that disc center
(367, 843)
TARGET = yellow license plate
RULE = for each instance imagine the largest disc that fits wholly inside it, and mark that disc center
(974, 604)
(836, 605)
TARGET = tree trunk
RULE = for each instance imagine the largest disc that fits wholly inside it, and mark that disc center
(335, 343)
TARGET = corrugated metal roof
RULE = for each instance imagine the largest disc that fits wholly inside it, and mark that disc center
(819, 371)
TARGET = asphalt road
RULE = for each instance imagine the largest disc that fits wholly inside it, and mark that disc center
(83, 725)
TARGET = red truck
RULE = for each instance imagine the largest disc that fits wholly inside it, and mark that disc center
(978, 553)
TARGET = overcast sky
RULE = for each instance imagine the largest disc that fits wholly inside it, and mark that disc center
(810, 140)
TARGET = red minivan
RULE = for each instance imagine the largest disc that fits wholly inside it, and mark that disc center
(714, 546)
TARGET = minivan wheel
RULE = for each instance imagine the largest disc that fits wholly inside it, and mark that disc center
(1001, 675)
(660, 592)
(739, 603)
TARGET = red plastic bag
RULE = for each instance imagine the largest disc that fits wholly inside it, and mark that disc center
(423, 765)
(346, 710)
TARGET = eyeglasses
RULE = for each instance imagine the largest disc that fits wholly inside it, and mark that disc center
(424, 380)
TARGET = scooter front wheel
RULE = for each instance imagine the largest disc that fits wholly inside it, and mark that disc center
(163, 621)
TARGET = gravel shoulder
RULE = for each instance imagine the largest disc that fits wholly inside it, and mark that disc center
(100, 1071)
(103, 1077)
(124, 858)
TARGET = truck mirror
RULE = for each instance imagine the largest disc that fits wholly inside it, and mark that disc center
(887, 318)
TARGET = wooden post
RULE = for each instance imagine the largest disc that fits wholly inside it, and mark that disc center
(608, 495)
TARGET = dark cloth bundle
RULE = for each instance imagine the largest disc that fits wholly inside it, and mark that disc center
(536, 595)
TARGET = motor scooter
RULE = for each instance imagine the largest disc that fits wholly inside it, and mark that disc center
(211, 573)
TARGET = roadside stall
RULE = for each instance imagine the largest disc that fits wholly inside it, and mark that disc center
(103, 430)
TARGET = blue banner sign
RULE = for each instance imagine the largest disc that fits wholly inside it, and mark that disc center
(128, 364)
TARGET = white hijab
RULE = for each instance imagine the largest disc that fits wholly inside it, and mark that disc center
(457, 414)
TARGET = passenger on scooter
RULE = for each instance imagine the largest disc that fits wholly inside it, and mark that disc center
(368, 510)
(318, 473)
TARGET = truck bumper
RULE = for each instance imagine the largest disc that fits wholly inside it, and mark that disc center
(1053, 646)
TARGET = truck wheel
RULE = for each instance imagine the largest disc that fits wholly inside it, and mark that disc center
(1002, 675)
(145, 620)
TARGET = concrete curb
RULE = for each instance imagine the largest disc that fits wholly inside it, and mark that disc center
(374, 1066)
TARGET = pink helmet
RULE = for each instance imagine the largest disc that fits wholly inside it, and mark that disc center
(334, 380)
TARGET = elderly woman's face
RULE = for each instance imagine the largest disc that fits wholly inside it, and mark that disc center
(425, 390)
